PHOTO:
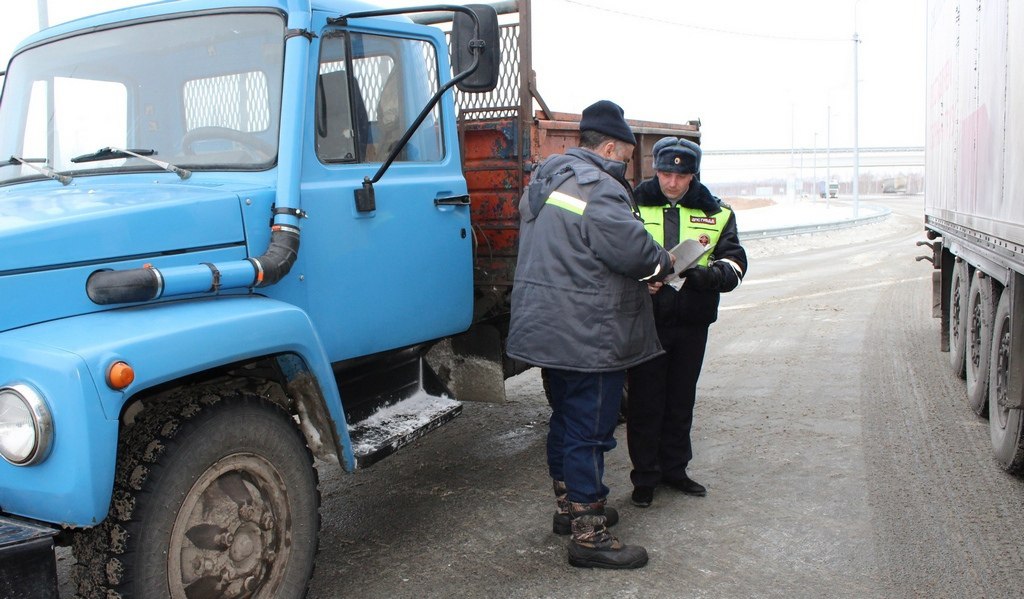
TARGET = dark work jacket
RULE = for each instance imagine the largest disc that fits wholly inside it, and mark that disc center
(579, 301)
(690, 305)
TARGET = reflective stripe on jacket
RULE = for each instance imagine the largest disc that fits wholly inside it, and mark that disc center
(578, 302)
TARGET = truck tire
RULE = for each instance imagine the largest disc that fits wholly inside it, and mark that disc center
(213, 497)
(958, 288)
(1004, 424)
(980, 320)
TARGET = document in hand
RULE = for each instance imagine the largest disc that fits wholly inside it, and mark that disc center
(688, 254)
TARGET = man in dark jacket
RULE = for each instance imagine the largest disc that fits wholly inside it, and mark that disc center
(581, 311)
(675, 206)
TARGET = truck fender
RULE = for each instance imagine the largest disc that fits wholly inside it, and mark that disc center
(172, 341)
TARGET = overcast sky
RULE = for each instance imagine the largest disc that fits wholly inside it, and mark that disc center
(757, 74)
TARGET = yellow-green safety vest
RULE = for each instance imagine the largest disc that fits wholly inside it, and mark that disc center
(694, 223)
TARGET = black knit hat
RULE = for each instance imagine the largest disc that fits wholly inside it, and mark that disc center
(676, 155)
(606, 117)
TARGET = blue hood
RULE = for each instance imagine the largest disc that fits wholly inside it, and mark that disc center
(51, 239)
(42, 227)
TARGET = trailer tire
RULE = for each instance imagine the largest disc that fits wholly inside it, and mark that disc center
(1005, 424)
(214, 497)
(980, 321)
(958, 289)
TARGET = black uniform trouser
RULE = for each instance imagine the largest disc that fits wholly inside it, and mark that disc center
(662, 392)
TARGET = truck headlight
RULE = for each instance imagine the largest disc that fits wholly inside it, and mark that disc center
(26, 428)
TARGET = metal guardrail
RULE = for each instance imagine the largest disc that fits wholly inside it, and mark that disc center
(879, 214)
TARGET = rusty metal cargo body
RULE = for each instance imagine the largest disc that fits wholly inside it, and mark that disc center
(975, 132)
(503, 138)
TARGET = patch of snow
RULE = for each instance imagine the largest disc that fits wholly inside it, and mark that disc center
(399, 419)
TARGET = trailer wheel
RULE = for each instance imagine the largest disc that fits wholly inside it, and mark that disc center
(214, 498)
(1004, 423)
(980, 320)
(958, 318)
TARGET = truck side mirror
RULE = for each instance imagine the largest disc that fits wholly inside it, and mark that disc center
(468, 44)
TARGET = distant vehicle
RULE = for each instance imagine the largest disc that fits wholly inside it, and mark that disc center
(820, 187)
(894, 185)
(833, 190)
(973, 214)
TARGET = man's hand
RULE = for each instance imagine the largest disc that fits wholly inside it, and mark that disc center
(653, 288)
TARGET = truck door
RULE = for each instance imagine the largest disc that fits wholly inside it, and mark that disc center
(400, 273)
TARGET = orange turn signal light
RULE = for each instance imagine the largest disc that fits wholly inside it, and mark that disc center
(120, 375)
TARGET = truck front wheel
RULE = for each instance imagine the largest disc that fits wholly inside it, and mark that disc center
(214, 498)
(1004, 423)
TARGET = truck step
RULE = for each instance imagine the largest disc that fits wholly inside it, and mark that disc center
(391, 400)
(397, 425)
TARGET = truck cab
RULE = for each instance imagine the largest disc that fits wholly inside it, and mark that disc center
(229, 233)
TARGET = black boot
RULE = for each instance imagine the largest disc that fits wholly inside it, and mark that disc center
(592, 546)
(562, 523)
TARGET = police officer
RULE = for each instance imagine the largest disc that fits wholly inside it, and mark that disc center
(581, 311)
(676, 206)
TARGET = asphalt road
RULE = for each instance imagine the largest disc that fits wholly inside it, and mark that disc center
(840, 457)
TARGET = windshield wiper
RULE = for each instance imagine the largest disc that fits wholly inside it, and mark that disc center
(44, 170)
(110, 153)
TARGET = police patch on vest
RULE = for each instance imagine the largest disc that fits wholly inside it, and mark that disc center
(703, 220)
(704, 239)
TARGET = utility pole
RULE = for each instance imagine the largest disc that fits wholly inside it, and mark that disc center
(856, 128)
(44, 17)
(814, 166)
(828, 158)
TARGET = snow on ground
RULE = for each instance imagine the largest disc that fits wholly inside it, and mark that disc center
(799, 213)
(807, 213)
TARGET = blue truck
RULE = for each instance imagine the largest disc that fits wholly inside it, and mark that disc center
(171, 362)
(230, 233)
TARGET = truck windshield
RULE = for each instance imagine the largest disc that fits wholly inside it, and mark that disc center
(202, 92)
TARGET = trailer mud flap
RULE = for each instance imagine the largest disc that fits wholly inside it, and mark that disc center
(1015, 382)
(28, 567)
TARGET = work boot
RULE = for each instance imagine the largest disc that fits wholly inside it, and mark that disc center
(592, 546)
(562, 523)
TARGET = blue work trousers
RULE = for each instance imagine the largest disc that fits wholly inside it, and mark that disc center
(584, 413)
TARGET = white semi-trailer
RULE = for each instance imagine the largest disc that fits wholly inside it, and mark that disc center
(974, 204)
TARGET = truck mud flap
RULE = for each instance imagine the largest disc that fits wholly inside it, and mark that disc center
(392, 400)
(28, 567)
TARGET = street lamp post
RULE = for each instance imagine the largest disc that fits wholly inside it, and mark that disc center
(856, 144)
(814, 166)
(828, 158)
(44, 19)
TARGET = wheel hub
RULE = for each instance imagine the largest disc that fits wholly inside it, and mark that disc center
(227, 541)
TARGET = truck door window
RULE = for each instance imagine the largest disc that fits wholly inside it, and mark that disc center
(369, 88)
